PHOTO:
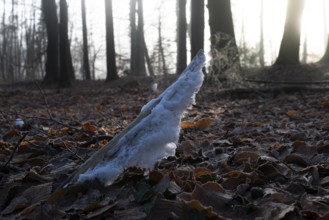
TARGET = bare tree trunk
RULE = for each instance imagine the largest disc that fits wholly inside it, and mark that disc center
(148, 60)
(110, 47)
(66, 66)
(141, 70)
(161, 49)
(261, 43)
(4, 43)
(133, 37)
(181, 36)
(289, 48)
(52, 63)
(304, 57)
(197, 26)
(86, 67)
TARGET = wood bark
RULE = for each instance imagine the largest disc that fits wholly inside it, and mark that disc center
(52, 63)
(181, 36)
(289, 48)
(141, 69)
(261, 41)
(66, 66)
(133, 37)
(110, 46)
(86, 66)
(220, 17)
(197, 26)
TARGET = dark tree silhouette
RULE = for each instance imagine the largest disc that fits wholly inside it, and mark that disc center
(133, 37)
(138, 46)
(181, 36)
(141, 69)
(110, 46)
(66, 66)
(197, 26)
(289, 48)
(261, 42)
(86, 67)
(225, 63)
(220, 17)
(51, 22)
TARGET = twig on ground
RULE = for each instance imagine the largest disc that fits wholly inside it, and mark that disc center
(45, 100)
(15, 148)
(75, 154)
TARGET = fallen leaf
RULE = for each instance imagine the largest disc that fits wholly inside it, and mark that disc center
(187, 124)
(244, 156)
(89, 127)
(204, 123)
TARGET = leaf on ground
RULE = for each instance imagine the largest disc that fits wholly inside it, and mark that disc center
(89, 127)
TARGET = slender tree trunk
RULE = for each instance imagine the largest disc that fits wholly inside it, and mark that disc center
(325, 58)
(148, 60)
(261, 42)
(197, 26)
(66, 66)
(110, 46)
(4, 43)
(289, 48)
(51, 22)
(86, 67)
(304, 58)
(161, 49)
(133, 38)
(141, 70)
(181, 36)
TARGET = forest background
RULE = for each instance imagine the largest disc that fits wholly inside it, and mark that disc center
(258, 29)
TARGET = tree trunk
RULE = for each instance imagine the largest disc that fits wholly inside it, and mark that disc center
(261, 42)
(4, 44)
(133, 38)
(141, 69)
(86, 67)
(225, 63)
(325, 58)
(66, 66)
(197, 26)
(162, 59)
(220, 17)
(110, 47)
(51, 22)
(289, 48)
(181, 36)
(148, 60)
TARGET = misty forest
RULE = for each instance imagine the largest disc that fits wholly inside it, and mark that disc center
(153, 109)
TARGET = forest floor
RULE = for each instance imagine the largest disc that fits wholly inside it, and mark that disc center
(242, 154)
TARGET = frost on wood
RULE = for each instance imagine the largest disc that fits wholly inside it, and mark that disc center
(152, 136)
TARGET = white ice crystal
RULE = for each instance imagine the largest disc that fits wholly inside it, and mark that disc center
(156, 136)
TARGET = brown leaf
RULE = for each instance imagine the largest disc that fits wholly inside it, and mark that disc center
(187, 124)
(296, 159)
(204, 123)
(293, 113)
(99, 107)
(89, 127)
(200, 172)
(244, 156)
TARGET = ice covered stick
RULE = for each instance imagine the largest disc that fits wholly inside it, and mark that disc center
(152, 136)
